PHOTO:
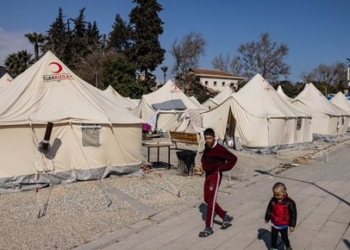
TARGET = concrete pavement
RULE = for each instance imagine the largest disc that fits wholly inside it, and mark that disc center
(321, 190)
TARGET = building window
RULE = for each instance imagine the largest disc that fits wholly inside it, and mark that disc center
(223, 84)
(90, 135)
(214, 83)
(206, 83)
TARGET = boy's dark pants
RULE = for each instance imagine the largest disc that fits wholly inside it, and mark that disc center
(284, 236)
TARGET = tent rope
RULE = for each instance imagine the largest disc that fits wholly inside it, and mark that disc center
(42, 208)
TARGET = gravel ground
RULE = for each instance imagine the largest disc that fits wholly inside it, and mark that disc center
(79, 212)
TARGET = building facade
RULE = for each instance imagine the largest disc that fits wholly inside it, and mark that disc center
(215, 79)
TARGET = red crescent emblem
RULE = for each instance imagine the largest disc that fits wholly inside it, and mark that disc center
(175, 87)
(59, 67)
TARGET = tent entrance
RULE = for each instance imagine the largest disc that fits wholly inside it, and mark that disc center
(230, 130)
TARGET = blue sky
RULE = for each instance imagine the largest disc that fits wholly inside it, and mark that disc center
(315, 31)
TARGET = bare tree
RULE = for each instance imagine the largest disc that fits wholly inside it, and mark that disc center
(264, 57)
(227, 63)
(328, 75)
(187, 52)
(236, 66)
(91, 67)
(332, 74)
(221, 62)
(307, 77)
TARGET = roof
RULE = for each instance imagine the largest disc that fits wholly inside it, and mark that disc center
(215, 73)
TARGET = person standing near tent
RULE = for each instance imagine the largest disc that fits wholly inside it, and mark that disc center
(282, 212)
(215, 160)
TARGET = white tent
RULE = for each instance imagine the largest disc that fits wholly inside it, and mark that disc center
(5, 80)
(327, 119)
(219, 98)
(168, 115)
(282, 94)
(91, 137)
(342, 102)
(124, 102)
(258, 118)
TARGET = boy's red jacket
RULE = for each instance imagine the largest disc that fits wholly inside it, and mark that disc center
(217, 158)
(282, 212)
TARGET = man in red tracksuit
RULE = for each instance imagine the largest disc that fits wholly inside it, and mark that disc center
(215, 160)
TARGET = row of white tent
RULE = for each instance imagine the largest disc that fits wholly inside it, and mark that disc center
(257, 116)
(96, 133)
(261, 118)
(320, 103)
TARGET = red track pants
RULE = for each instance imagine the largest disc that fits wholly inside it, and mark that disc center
(211, 188)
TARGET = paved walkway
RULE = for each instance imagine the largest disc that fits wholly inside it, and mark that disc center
(320, 189)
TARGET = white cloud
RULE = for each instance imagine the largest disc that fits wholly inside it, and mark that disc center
(12, 42)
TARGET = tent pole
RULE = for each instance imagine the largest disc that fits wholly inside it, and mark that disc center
(268, 133)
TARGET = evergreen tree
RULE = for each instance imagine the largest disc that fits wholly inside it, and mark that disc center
(85, 38)
(93, 36)
(147, 26)
(59, 39)
(79, 36)
(120, 36)
(120, 74)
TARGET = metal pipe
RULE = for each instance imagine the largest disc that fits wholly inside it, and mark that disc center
(46, 141)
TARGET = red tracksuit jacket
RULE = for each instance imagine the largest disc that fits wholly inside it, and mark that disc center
(217, 158)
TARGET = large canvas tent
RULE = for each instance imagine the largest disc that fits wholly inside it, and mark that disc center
(124, 102)
(328, 120)
(342, 102)
(258, 118)
(167, 103)
(5, 80)
(90, 138)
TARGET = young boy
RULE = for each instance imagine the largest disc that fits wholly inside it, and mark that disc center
(282, 212)
(215, 160)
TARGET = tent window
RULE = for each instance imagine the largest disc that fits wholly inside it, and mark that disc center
(223, 84)
(215, 83)
(299, 123)
(91, 135)
(342, 120)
